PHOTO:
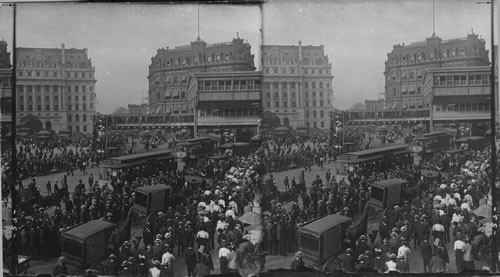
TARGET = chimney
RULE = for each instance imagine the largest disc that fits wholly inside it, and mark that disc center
(85, 50)
(63, 56)
(300, 51)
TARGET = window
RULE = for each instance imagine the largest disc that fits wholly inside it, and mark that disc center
(307, 103)
(275, 85)
(84, 118)
(314, 103)
(69, 107)
(68, 88)
(313, 84)
(84, 107)
(83, 98)
(320, 84)
(77, 117)
(85, 128)
(268, 104)
(314, 114)
(76, 107)
(285, 104)
(306, 85)
(70, 117)
(90, 88)
(314, 94)
(84, 89)
(307, 113)
(39, 108)
(321, 114)
(307, 94)
(21, 108)
(321, 103)
(322, 124)
(77, 128)
(277, 104)
(38, 74)
(31, 108)
(327, 85)
(47, 107)
(76, 97)
(294, 104)
(56, 107)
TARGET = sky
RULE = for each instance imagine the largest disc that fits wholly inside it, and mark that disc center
(122, 38)
(357, 35)
(6, 25)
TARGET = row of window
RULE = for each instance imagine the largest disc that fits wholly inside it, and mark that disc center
(37, 73)
(463, 107)
(30, 107)
(292, 95)
(462, 80)
(292, 70)
(187, 61)
(5, 82)
(229, 112)
(315, 113)
(55, 98)
(228, 85)
(53, 88)
(292, 85)
(432, 55)
(294, 104)
(315, 124)
(77, 118)
(77, 128)
(42, 64)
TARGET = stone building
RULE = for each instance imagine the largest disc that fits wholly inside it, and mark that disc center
(57, 86)
(297, 85)
(5, 90)
(171, 69)
(406, 66)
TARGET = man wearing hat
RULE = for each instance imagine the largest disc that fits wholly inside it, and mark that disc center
(348, 261)
(111, 266)
(379, 261)
(391, 264)
(361, 245)
(61, 268)
(155, 270)
(298, 263)
(426, 252)
(125, 269)
(401, 265)
(125, 251)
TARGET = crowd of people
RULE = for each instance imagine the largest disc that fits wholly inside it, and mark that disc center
(438, 211)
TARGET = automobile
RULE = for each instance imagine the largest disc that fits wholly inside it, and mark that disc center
(154, 198)
(322, 240)
(87, 243)
(386, 193)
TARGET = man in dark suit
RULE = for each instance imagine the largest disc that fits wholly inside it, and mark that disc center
(426, 252)
(111, 266)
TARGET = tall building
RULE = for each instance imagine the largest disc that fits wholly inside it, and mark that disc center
(58, 87)
(171, 69)
(297, 85)
(226, 100)
(5, 89)
(406, 66)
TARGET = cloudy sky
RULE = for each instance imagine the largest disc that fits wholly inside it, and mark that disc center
(122, 38)
(6, 25)
(358, 34)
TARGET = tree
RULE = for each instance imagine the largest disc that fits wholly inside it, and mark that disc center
(32, 122)
(271, 119)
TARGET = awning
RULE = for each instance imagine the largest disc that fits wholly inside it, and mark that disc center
(443, 100)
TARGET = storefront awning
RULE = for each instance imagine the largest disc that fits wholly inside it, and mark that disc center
(211, 105)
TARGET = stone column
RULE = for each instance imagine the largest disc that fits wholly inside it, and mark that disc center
(25, 97)
(51, 98)
(43, 97)
(297, 99)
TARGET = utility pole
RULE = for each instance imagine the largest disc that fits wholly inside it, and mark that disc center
(14, 180)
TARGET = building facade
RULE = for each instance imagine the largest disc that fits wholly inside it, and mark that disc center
(5, 90)
(459, 95)
(58, 87)
(171, 69)
(297, 85)
(375, 105)
(406, 66)
(226, 101)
